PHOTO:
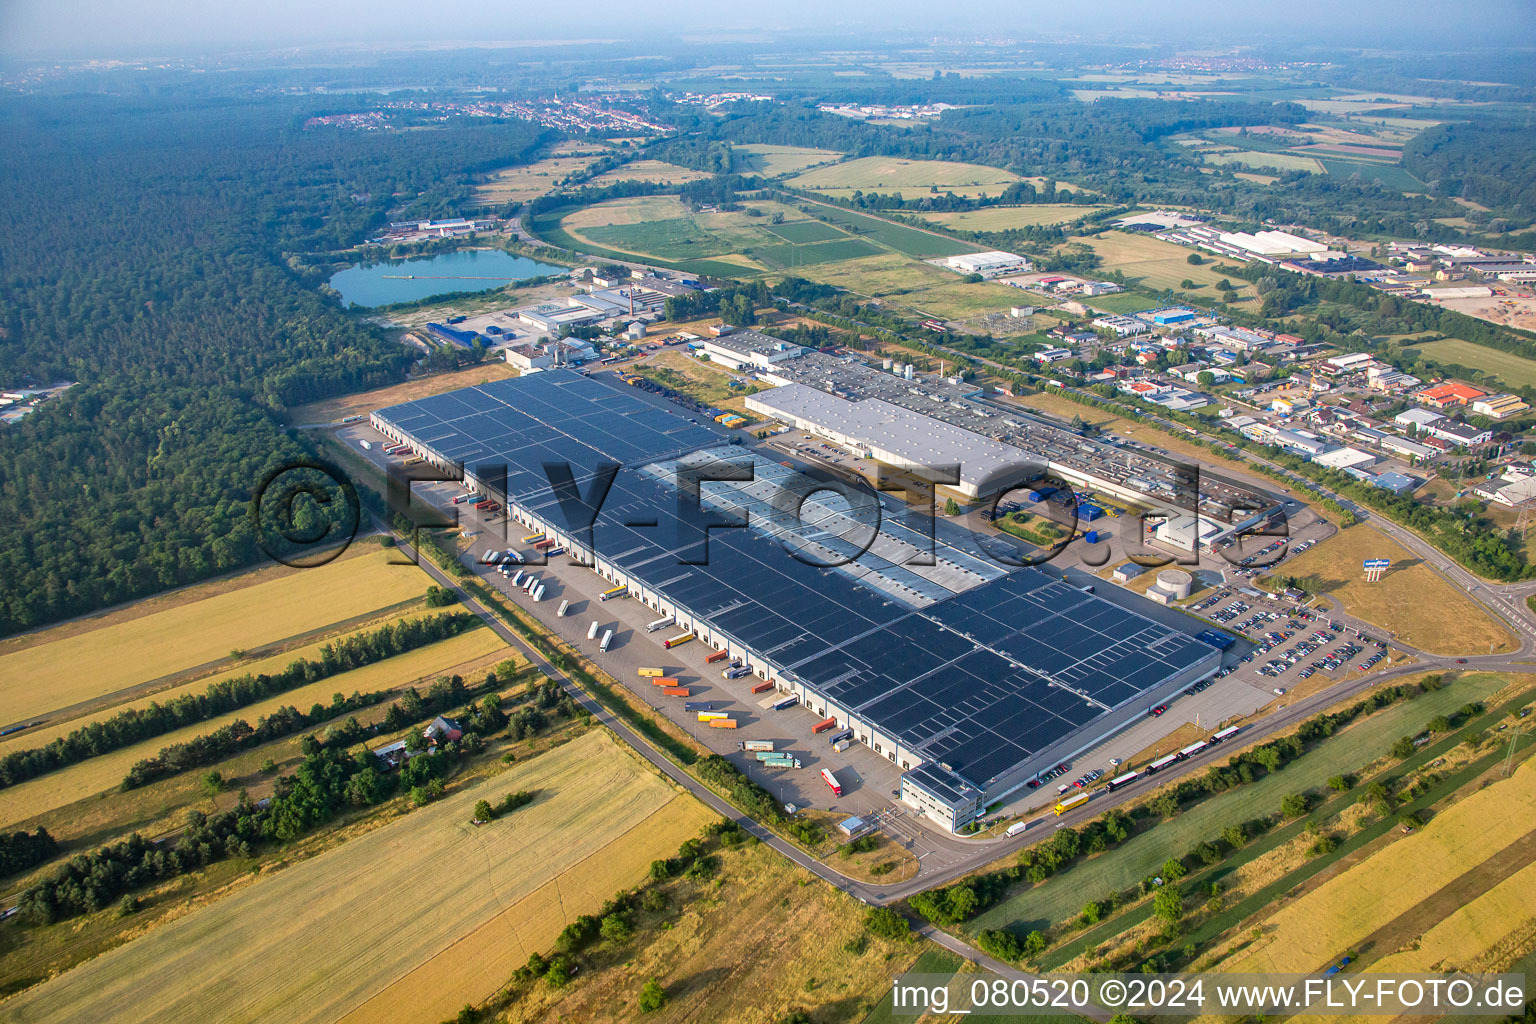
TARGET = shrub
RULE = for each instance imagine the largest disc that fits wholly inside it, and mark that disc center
(558, 973)
(887, 924)
(1000, 943)
(652, 996)
(1294, 805)
(614, 928)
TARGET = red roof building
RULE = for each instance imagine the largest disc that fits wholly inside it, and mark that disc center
(1451, 393)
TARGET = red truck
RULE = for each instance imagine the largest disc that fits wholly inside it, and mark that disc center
(831, 781)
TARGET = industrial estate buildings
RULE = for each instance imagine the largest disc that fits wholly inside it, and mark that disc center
(971, 678)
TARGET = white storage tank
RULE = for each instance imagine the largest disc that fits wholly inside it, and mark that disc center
(1176, 582)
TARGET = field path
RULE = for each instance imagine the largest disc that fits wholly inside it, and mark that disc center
(1451, 897)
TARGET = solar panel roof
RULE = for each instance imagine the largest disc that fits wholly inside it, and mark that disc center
(979, 682)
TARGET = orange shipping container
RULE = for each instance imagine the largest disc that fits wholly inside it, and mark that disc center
(717, 656)
(675, 691)
(824, 725)
(762, 687)
(665, 680)
(723, 723)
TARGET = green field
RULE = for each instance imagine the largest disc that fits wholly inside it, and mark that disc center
(905, 240)
(935, 960)
(678, 239)
(730, 244)
(1271, 161)
(1004, 218)
(787, 257)
(1123, 303)
(548, 226)
(802, 232)
(1390, 175)
(1064, 895)
(1514, 371)
(886, 174)
(773, 161)
(918, 286)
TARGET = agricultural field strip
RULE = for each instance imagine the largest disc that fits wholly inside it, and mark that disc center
(100, 774)
(1063, 896)
(1278, 837)
(480, 961)
(379, 906)
(124, 654)
(270, 657)
(1468, 887)
(774, 161)
(1307, 931)
(1471, 930)
(875, 174)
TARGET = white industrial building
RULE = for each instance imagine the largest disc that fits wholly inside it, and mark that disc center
(988, 264)
(750, 350)
(1417, 418)
(1348, 362)
(1272, 243)
(1186, 532)
(1121, 325)
(873, 428)
(1345, 458)
(565, 352)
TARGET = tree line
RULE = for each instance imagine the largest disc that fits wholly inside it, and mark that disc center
(134, 725)
(329, 781)
(21, 850)
(951, 905)
(239, 735)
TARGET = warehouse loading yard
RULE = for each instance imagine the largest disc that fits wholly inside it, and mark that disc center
(971, 696)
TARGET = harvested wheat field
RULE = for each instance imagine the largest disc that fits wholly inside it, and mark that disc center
(1486, 934)
(48, 677)
(102, 774)
(406, 923)
(1305, 934)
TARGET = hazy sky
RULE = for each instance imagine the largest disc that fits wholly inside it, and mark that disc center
(167, 27)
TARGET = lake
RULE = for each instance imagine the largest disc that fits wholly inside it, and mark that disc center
(473, 270)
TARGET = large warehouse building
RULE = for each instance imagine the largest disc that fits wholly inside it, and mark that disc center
(972, 688)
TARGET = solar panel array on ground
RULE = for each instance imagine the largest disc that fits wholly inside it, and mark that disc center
(967, 681)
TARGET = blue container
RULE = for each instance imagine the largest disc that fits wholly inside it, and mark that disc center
(1092, 536)
(1088, 513)
(1041, 494)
